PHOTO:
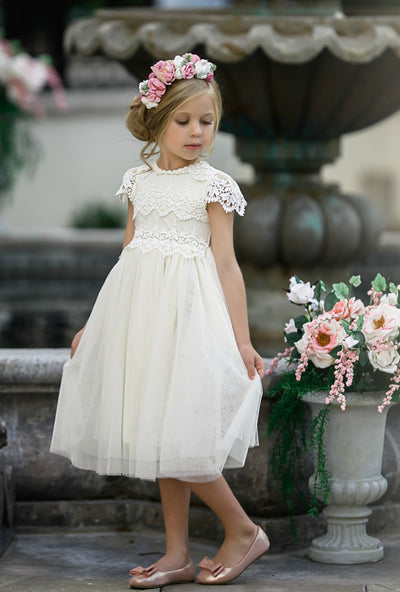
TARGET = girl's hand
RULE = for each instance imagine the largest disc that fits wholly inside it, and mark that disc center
(253, 361)
(76, 340)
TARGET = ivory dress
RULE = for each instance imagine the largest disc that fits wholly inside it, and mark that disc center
(157, 386)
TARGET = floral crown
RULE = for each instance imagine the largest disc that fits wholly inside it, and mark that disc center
(165, 72)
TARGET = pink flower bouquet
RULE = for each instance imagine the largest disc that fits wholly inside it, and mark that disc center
(352, 346)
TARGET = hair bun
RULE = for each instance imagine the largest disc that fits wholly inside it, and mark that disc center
(136, 121)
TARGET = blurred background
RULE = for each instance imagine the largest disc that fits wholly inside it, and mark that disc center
(49, 271)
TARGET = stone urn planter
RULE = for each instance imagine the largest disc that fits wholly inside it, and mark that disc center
(354, 446)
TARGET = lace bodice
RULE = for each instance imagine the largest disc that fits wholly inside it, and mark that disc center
(170, 207)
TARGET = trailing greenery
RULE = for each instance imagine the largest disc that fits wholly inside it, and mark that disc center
(293, 437)
(17, 147)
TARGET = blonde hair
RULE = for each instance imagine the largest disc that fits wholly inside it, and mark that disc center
(149, 125)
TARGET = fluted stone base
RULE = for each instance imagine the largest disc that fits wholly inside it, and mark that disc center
(346, 540)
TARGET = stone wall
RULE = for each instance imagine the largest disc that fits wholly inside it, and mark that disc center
(50, 492)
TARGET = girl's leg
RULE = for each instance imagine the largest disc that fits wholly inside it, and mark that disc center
(175, 499)
(239, 529)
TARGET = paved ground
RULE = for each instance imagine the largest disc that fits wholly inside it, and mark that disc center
(100, 562)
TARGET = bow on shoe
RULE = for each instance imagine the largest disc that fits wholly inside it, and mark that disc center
(214, 568)
(143, 571)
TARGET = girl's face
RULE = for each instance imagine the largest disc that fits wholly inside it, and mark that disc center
(188, 134)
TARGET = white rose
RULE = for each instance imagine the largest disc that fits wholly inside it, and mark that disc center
(179, 62)
(300, 293)
(31, 73)
(390, 298)
(385, 360)
(290, 327)
(381, 322)
(149, 104)
(202, 68)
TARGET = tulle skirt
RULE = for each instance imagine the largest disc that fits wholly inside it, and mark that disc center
(157, 386)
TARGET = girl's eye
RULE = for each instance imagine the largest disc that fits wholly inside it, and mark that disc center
(207, 122)
(181, 122)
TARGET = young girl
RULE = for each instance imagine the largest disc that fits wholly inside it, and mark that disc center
(163, 382)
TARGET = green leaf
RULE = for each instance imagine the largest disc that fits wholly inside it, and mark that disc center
(340, 290)
(363, 358)
(360, 322)
(291, 338)
(379, 283)
(330, 301)
(345, 325)
(334, 352)
(355, 280)
(393, 288)
(359, 336)
(319, 288)
(300, 320)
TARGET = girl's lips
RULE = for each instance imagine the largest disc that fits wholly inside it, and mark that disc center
(193, 146)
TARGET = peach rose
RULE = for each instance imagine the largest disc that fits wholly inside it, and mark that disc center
(346, 309)
(320, 341)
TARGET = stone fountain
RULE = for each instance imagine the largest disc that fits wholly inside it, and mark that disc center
(295, 77)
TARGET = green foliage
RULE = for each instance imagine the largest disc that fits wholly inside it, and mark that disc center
(355, 280)
(340, 290)
(17, 147)
(379, 283)
(293, 437)
(97, 215)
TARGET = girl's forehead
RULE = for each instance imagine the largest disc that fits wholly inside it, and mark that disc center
(201, 103)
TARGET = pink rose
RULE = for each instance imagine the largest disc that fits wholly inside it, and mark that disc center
(210, 77)
(320, 341)
(194, 57)
(165, 71)
(188, 71)
(348, 308)
(156, 87)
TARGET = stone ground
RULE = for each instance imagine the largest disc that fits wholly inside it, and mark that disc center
(59, 561)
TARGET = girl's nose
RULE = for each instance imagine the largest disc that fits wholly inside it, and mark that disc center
(195, 129)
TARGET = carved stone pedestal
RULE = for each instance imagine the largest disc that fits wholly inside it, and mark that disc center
(354, 445)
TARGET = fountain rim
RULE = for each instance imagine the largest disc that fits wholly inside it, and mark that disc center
(120, 33)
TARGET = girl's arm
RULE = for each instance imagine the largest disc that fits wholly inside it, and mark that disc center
(129, 232)
(130, 226)
(233, 285)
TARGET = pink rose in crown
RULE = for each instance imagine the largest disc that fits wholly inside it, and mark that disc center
(164, 71)
(346, 309)
(320, 340)
(188, 71)
(156, 88)
(193, 57)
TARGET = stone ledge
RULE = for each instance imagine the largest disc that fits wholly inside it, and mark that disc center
(125, 515)
(28, 370)
(31, 368)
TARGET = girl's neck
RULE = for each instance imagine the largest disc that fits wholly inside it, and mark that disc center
(169, 164)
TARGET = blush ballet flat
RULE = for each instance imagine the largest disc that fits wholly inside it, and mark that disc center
(215, 573)
(151, 577)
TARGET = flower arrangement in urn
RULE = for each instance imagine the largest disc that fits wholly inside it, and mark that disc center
(22, 81)
(338, 344)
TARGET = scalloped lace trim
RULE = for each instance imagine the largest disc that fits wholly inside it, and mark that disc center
(168, 243)
(225, 190)
(128, 185)
(165, 201)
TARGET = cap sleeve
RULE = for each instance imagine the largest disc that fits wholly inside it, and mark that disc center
(224, 190)
(128, 185)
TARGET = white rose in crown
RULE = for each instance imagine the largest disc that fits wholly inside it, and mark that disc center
(299, 292)
(385, 360)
